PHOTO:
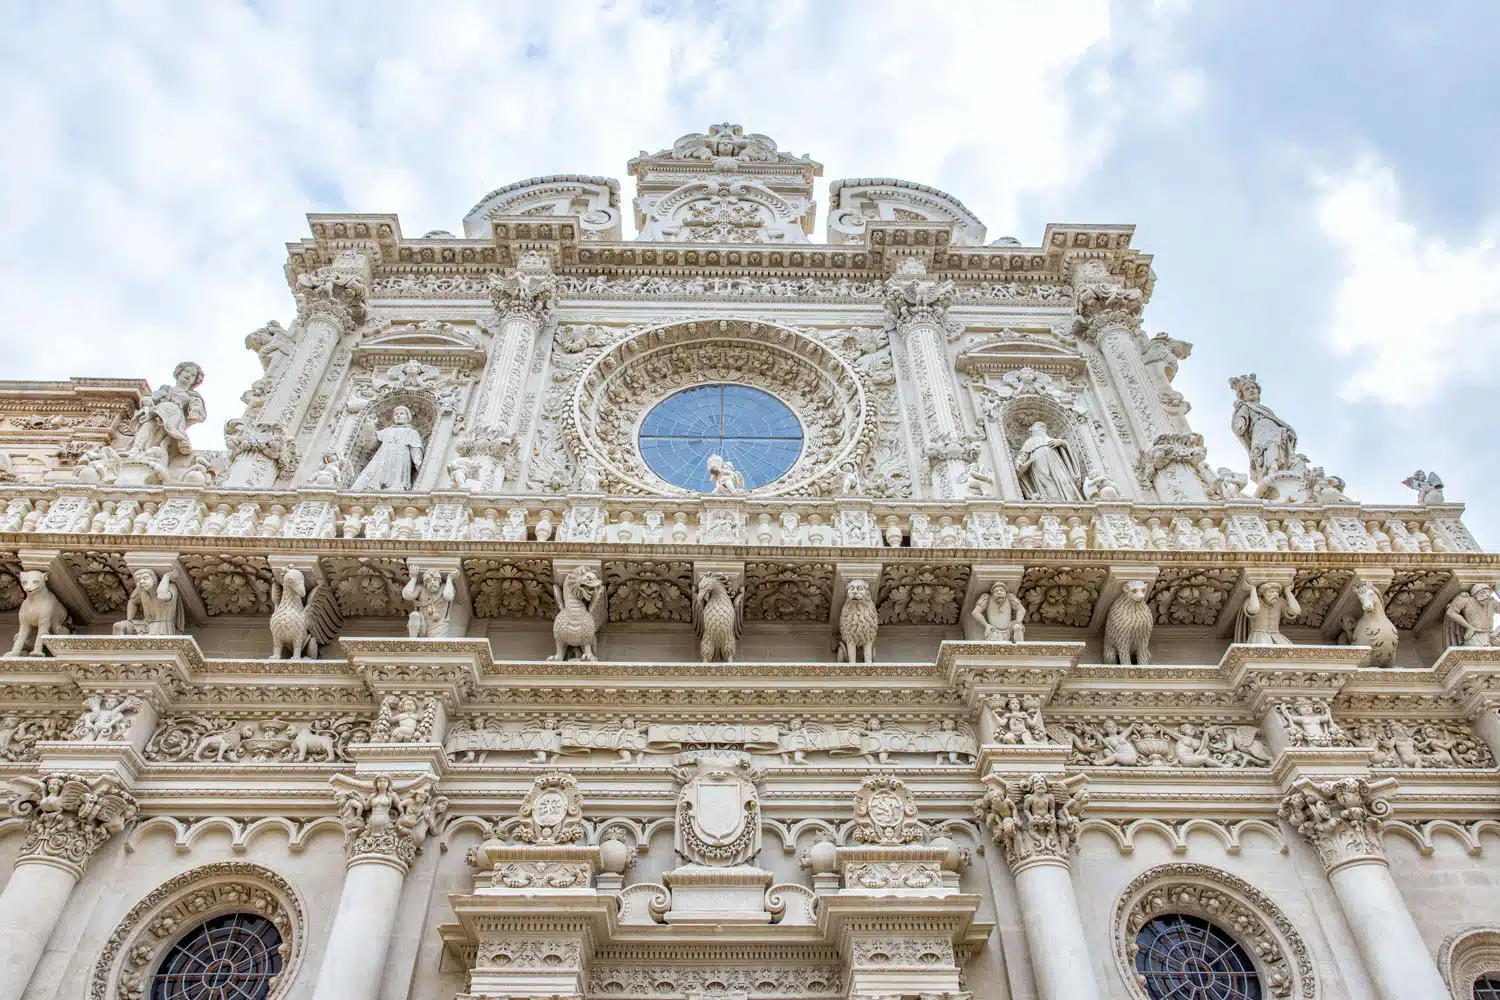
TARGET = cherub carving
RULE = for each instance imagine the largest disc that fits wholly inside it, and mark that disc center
(106, 720)
(1429, 487)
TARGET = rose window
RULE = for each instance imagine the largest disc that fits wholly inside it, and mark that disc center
(233, 957)
(748, 427)
(1487, 988)
(1181, 957)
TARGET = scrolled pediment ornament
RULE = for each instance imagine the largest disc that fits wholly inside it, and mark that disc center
(627, 379)
(1281, 957)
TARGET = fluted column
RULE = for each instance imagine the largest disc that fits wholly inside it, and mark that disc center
(386, 822)
(330, 303)
(1035, 821)
(71, 817)
(916, 308)
(523, 300)
(1342, 820)
(1108, 315)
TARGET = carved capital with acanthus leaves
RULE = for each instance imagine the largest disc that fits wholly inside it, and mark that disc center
(337, 292)
(528, 290)
(1341, 818)
(912, 297)
(1035, 818)
(1104, 303)
(70, 816)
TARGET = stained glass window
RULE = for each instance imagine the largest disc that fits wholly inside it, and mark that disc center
(749, 427)
(233, 957)
(1487, 988)
(1186, 958)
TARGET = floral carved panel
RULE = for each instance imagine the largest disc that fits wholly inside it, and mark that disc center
(511, 588)
(231, 585)
(1061, 595)
(649, 591)
(775, 592)
(921, 595)
(1185, 596)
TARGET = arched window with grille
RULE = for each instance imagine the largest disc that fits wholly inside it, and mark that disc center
(235, 956)
(1182, 957)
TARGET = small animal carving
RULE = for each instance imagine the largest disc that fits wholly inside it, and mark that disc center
(1372, 628)
(858, 622)
(717, 613)
(576, 626)
(302, 628)
(41, 614)
(225, 746)
(309, 743)
(1127, 628)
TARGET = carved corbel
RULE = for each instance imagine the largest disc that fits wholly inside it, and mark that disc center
(62, 582)
(1114, 586)
(981, 579)
(171, 562)
(1251, 576)
(1347, 603)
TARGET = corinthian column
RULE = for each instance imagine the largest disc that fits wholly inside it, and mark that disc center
(523, 300)
(1108, 315)
(330, 304)
(71, 817)
(916, 307)
(1342, 820)
(385, 824)
(1035, 820)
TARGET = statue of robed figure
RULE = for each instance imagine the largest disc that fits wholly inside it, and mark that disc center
(1046, 468)
(395, 463)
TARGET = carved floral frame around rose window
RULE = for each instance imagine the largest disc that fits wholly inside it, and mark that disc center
(616, 391)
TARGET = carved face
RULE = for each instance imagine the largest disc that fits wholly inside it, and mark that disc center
(1270, 591)
(401, 415)
(1135, 590)
(430, 579)
(1482, 593)
(1039, 428)
(999, 592)
(33, 580)
(144, 578)
(188, 375)
(859, 590)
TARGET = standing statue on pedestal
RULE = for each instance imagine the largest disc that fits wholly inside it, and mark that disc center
(1001, 615)
(1269, 440)
(1470, 618)
(1046, 468)
(166, 415)
(394, 465)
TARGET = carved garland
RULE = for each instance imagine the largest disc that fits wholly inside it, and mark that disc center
(179, 905)
(1249, 916)
(621, 386)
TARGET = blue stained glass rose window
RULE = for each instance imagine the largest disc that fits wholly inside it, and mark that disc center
(749, 427)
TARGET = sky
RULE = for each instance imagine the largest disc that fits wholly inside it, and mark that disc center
(1319, 182)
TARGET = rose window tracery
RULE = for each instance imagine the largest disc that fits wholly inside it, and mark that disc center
(236, 956)
(762, 369)
(1186, 957)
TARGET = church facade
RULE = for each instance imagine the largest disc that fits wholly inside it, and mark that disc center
(726, 612)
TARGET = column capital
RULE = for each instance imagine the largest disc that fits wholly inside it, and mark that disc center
(1341, 818)
(337, 292)
(1035, 818)
(70, 816)
(912, 297)
(527, 290)
(386, 819)
(1105, 304)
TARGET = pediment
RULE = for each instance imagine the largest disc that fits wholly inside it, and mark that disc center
(1006, 353)
(431, 340)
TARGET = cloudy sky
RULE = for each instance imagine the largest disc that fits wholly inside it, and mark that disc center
(1319, 182)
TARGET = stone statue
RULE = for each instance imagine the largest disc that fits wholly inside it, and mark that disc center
(41, 614)
(580, 598)
(106, 720)
(1429, 487)
(298, 627)
(977, 482)
(432, 596)
(395, 463)
(1001, 614)
(403, 719)
(1309, 723)
(858, 623)
(1046, 468)
(154, 608)
(1127, 628)
(1470, 618)
(273, 345)
(718, 613)
(1270, 441)
(166, 415)
(1373, 628)
(1260, 622)
(1225, 484)
(724, 476)
(589, 475)
(1161, 355)
(332, 474)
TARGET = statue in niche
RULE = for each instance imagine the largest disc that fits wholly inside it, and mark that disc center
(1270, 441)
(394, 464)
(168, 412)
(1046, 468)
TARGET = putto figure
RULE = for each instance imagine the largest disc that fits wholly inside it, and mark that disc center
(1046, 468)
(1001, 615)
(724, 476)
(394, 465)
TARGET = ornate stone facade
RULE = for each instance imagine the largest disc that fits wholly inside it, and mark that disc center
(440, 681)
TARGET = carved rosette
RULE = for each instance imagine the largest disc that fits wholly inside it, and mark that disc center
(627, 379)
(70, 816)
(1341, 818)
(527, 292)
(551, 813)
(1034, 819)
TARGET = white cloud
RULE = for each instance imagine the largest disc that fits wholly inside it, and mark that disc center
(1415, 312)
(160, 154)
